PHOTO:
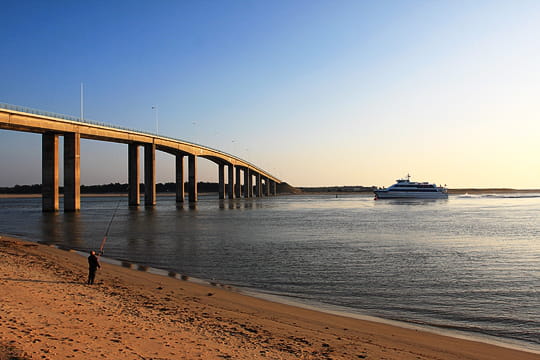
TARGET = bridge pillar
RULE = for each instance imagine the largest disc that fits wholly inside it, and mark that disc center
(273, 187)
(230, 183)
(251, 185)
(134, 189)
(192, 169)
(49, 171)
(72, 172)
(254, 185)
(180, 192)
(258, 186)
(266, 186)
(247, 182)
(221, 181)
(149, 175)
(238, 184)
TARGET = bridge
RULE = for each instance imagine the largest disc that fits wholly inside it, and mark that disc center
(257, 182)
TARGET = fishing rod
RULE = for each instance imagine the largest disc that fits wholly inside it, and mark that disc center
(108, 228)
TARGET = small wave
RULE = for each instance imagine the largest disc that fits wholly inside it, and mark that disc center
(498, 196)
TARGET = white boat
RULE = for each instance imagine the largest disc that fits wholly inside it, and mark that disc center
(406, 189)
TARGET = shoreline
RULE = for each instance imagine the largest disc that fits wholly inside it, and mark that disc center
(283, 299)
(236, 325)
(439, 330)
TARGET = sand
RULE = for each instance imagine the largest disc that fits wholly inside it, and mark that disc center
(48, 312)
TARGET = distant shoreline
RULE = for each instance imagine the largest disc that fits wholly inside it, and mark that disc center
(458, 191)
(491, 191)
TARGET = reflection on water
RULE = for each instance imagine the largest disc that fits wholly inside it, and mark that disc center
(470, 263)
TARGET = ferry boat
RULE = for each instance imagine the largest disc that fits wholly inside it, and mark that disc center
(407, 189)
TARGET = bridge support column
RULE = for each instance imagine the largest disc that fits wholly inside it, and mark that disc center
(230, 183)
(49, 172)
(192, 169)
(247, 182)
(238, 184)
(180, 192)
(258, 186)
(273, 187)
(134, 192)
(72, 172)
(149, 175)
(266, 186)
(221, 181)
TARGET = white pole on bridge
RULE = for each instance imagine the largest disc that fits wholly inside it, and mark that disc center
(82, 102)
(157, 123)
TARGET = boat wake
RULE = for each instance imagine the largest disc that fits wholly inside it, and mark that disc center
(499, 196)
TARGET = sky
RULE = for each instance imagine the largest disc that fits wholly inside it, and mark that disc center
(318, 93)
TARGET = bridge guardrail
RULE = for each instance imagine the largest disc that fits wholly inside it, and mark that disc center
(77, 119)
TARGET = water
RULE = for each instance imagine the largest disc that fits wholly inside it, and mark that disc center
(469, 263)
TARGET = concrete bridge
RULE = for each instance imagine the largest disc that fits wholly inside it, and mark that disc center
(257, 182)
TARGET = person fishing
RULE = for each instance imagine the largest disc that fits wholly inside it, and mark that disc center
(93, 265)
(93, 259)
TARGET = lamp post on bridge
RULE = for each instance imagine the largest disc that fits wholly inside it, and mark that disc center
(82, 102)
(154, 107)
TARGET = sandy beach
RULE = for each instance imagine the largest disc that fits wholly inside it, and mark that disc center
(48, 312)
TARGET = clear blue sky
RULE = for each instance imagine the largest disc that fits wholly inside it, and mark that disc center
(316, 92)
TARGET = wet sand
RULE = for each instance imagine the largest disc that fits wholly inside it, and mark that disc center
(48, 312)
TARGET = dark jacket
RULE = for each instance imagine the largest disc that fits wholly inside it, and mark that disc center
(93, 262)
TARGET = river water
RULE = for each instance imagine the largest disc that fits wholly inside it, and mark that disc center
(469, 263)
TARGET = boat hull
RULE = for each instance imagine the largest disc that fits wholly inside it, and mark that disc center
(382, 194)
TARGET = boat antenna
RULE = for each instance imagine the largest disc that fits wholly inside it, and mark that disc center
(108, 228)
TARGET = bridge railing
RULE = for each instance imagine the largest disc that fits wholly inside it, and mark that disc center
(62, 116)
(78, 119)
